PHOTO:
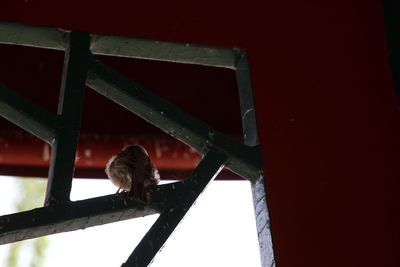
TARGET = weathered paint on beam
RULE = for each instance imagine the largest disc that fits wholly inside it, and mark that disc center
(164, 51)
(52, 38)
(28, 115)
(71, 216)
(178, 204)
(243, 160)
(19, 34)
(249, 123)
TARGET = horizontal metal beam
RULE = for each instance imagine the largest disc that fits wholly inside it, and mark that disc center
(28, 115)
(164, 51)
(70, 216)
(52, 38)
(19, 34)
(243, 160)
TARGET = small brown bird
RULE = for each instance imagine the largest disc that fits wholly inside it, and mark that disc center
(131, 170)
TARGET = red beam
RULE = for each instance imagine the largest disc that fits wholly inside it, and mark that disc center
(21, 152)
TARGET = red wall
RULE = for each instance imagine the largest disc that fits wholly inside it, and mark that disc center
(326, 105)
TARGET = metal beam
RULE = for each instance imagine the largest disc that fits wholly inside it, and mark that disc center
(164, 51)
(176, 208)
(71, 216)
(27, 114)
(52, 38)
(249, 123)
(69, 109)
(243, 160)
(43, 37)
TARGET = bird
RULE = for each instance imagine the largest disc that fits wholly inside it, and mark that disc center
(131, 170)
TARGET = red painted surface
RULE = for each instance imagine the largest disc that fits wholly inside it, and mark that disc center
(20, 150)
(326, 108)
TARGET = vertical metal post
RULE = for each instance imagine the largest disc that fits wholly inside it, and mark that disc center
(69, 108)
(179, 202)
(249, 124)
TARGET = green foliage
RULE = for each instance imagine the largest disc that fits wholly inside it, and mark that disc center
(31, 195)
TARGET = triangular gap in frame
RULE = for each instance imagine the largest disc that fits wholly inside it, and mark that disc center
(101, 139)
(207, 93)
(34, 73)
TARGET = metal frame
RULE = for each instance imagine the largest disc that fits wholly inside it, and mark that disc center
(61, 130)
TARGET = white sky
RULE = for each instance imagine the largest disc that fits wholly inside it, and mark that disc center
(218, 231)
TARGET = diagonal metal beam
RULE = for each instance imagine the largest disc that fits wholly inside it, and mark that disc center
(69, 109)
(70, 216)
(28, 115)
(178, 205)
(242, 159)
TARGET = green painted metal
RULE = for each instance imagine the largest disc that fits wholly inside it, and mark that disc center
(71, 216)
(69, 109)
(164, 51)
(243, 160)
(179, 202)
(28, 115)
(51, 38)
(18, 34)
(62, 131)
(249, 123)
(247, 108)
